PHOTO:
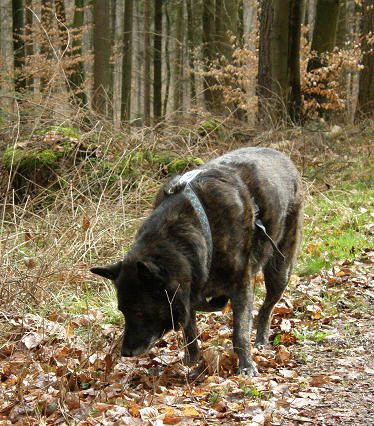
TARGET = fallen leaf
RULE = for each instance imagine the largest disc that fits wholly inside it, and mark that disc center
(31, 340)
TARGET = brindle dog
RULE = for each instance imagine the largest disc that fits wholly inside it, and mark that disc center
(252, 198)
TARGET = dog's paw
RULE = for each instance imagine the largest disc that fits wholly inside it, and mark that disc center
(261, 342)
(248, 371)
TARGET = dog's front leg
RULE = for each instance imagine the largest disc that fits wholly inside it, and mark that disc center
(191, 351)
(242, 304)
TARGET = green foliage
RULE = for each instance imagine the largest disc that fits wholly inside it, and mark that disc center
(68, 132)
(307, 333)
(212, 126)
(29, 160)
(145, 163)
(336, 227)
(250, 391)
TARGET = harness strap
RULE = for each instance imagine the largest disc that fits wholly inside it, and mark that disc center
(203, 219)
(261, 226)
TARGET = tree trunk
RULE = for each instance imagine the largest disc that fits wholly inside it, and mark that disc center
(7, 54)
(147, 62)
(208, 52)
(191, 47)
(365, 103)
(279, 93)
(29, 43)
(226, 23)
(341, 33)
(76, 78)
(178, 62)
(324, 34)
(18, 45)
(101, 45)
(127, 61)
(294, 103)
(167, 60)
(46, 19)
(157, 61)
(61, 24)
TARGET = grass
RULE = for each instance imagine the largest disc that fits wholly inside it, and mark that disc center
(337, 226)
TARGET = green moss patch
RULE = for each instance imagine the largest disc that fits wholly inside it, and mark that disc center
(29, 159)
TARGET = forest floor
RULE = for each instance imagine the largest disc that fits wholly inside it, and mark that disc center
(60, 330)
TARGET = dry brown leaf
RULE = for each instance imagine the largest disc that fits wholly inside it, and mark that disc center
(283, 355)
(319, 380)
(189, 411)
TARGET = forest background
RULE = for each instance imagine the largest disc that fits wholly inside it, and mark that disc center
(100, 103)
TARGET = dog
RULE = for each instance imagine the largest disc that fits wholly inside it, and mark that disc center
(212, 229)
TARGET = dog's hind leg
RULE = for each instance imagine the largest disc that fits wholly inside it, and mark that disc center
(277, 273)
(241, 304)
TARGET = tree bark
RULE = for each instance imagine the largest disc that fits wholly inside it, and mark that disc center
(191, 49)
(61, 23)
(178, 62)
(18, 45)
(29, 43)
(127, 61)
(226, 24)
(147, 62)
(76, 78)
(208, 52)
(101, 44)
(324, 34)
(365, 103)
(167, 60)
(279, 92)
(157, 61)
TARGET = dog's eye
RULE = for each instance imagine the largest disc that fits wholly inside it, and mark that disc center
(139, 314)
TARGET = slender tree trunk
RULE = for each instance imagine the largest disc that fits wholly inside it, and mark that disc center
(191, 47)
(178, 62)
(29, 43)
(101, 44)
(157, 61)
(147, 62)
(365, 104)
(61, 23)
(226, 23)
(324, 34)
(208, 52)
(341, 33)
(18, 45)
(294, 103)
(46, 19)
(7, 54)
(127, 61)
(167, 60)
(76, 78)
(265, 79)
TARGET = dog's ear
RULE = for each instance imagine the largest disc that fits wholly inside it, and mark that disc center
(111, 271)
(148, 272)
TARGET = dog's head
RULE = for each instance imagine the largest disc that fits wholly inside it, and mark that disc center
(151, 300)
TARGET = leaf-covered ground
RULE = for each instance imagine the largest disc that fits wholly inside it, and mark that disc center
(318, 370)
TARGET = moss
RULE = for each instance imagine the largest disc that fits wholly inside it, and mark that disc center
(25, 160)
(211, 126)
(68, 132)
(181, 165)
